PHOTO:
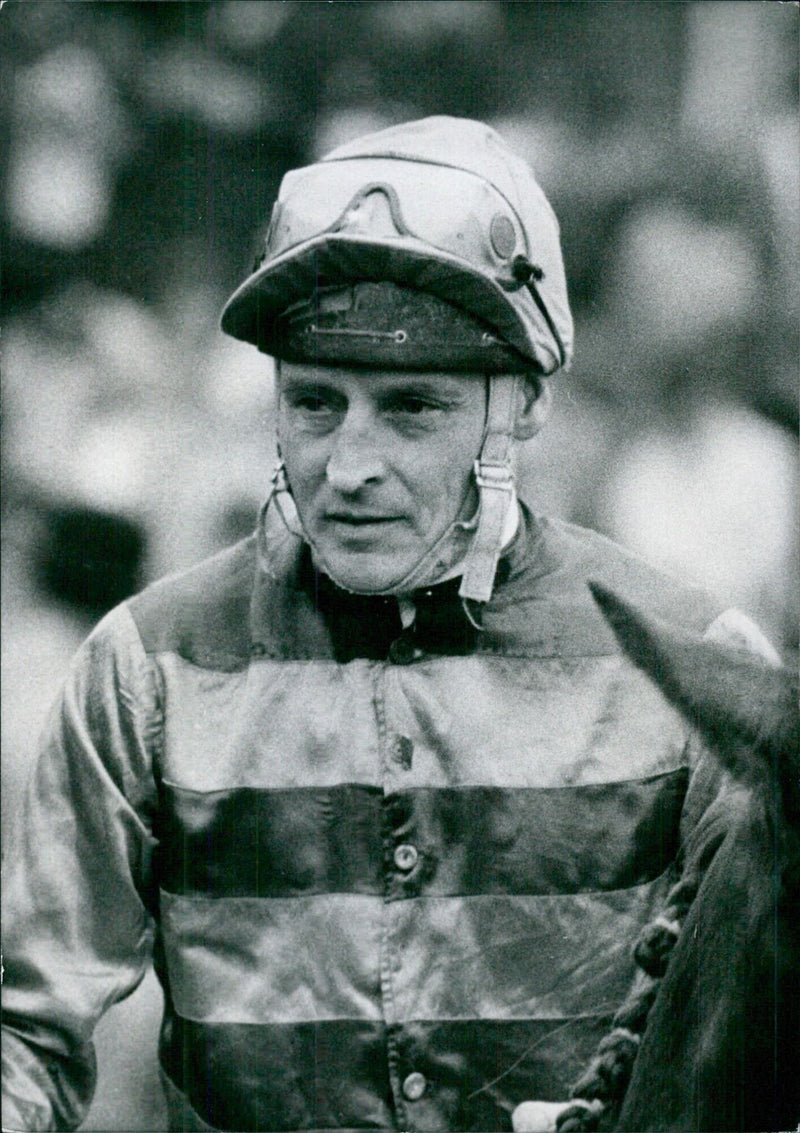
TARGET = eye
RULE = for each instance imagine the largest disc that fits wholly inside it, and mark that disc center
(312, 400)
(415, 405)
(412, 404)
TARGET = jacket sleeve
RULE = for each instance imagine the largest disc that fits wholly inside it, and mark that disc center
(77, 921)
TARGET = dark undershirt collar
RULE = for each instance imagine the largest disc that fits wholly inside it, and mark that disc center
(363, 625)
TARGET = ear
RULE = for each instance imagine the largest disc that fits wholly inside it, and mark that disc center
(534, 402)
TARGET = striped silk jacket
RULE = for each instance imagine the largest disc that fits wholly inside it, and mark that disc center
(390, 878)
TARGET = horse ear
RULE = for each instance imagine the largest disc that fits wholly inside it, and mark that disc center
(736, 701)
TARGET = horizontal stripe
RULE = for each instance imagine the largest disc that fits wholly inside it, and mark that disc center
(492, 841)
(180, 1114)
(466, 721)
(276, 1077)
(478, 1072)
(317, 958)
(522, 722)
(336, 1074)
(254, 843)
(515, 957)
(251, 961)
(287, 724)
(284, 843)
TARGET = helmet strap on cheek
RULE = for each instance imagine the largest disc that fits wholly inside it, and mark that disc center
(278, 493)
(494, 478)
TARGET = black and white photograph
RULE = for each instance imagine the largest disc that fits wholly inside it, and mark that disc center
(400, 573)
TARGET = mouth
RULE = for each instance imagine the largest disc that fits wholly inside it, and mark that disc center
(350, 519)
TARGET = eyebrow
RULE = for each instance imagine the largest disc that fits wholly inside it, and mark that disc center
(290, 385)
(410, 384)
(430, 387)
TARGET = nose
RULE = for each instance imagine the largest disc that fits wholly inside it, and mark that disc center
(355, 459)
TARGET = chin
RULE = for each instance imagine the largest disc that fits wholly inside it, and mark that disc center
(354, 573)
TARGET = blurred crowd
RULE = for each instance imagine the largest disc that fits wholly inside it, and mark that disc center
(142, 145)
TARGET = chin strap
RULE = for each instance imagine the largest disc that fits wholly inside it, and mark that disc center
(495, 480)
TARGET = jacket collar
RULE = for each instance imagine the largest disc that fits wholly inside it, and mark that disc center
(298, 612)
(541, 605)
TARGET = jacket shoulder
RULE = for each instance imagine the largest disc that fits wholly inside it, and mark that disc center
(201, 614)
(588, 556)
(545, 608)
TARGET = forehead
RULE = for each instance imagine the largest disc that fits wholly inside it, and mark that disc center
(363, 379)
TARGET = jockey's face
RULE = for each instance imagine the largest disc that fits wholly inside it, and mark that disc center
(379, 463)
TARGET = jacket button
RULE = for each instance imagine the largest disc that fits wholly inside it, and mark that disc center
(405, 857)
(414, 1086)
(403, 752)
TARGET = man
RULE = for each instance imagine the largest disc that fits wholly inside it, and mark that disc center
(375, 788)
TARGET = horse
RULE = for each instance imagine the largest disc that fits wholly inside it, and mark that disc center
(710, 1039)
(721, 1045)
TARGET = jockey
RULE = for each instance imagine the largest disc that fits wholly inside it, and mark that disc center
(374, 789)
(462, 251)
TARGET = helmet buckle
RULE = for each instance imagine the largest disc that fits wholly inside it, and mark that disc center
(498, 476)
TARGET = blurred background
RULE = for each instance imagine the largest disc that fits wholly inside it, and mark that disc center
(142, 145)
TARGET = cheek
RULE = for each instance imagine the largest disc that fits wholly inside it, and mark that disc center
(455, 475)
(446, 477)
(463, 450)
(304, 466)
